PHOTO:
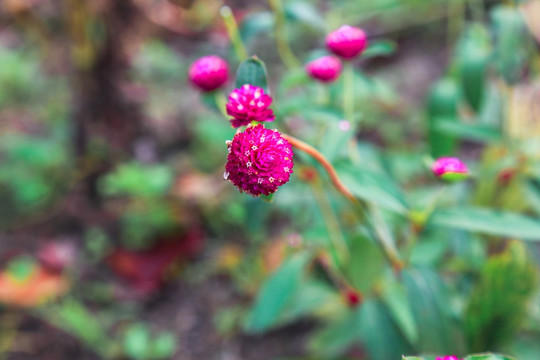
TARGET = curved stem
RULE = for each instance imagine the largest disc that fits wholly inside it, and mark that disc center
(380, 228)
(336, 181)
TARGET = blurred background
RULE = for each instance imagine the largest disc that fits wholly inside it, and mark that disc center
(119, 238)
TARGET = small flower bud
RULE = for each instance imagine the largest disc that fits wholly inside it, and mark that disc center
(209, 73)
(450, 169)
(249, 103)
(448, 357)
(260, 160)
(347, 41)
(325, 69)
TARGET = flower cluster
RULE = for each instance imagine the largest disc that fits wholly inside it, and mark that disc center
(249, 103)
(259, 161)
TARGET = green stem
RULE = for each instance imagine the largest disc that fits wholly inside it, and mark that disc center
(348, 110)
(221, 103)
(234, 34)
(338, 246)
(283, 48)
(385, 237)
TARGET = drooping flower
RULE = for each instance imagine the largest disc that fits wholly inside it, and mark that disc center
(450, 169)
(347, 41)
(249, 103)
(448, 357)
(259, 161)
(209, 73)
(325, 69)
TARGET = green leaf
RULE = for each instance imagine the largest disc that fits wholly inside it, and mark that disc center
(498, 304)
(252, 71)
(380, 48)
(395, 298)
(137, 341)
(432, 313)
(267, 198)
(163, 346)
(305, 13)
(442, 103)
(366, 264)
(373, 187)
(276, 292)
(488, 356)
(255, 24)
(454, 128)
(379, 333)
(334, 339)
(488, 221)
(411, 358)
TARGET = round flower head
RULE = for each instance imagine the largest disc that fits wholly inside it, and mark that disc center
(260, 160)
(325, 69)
(249, 103)
(347, 41)
(448, 357)
(209, 72)
(450, 169)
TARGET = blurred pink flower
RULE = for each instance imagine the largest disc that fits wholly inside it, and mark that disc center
(448, 357)
(260, 160)
(249, 103)
(325, 69)
(347, 41)
(450, 169)
(209, 73)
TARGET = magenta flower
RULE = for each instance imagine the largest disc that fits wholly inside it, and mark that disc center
(260, 160)
(209, 73)
(347, 41)
(249, 103)
(448, 357)
(325, 69)
(450, 169)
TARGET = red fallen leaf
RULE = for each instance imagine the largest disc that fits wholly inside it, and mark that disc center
(146, 269)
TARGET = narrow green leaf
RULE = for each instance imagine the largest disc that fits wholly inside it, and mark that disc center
(333, 340)
(480, 132)
(488, 356)
(488, 221)
(442, 103)
(411, 358)
(252, 71)
(137, 341)
(395, 297)
(380, 48)
(366, 264)
(373, 187)
(276, 292)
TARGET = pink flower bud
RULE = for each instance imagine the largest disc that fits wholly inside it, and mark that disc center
(347, 41)
(209, 72)
(260, 160)
(325, 69)
(450, 169)
(249, 103)
(448, 357)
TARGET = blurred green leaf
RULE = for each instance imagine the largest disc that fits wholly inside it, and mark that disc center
(138, 179)
(137, 341)
(395, 298)
(498, 304)
(488, 356)
(21, 267)
(379, 333)
(430, 305)
(256, 23)
(488, 221)
(366, 264)
(442, 104)
(276, 292)
(304, 13)
(380, 48)
(376, 188)
(252, 71)
(163, 346)
(334, 339)
(480, 132)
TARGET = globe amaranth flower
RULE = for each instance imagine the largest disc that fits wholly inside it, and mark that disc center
(347, 41)
(325, 69)
(259, 161)
(209, 73)
(448, 357)
(450, 169)
(249, 103)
